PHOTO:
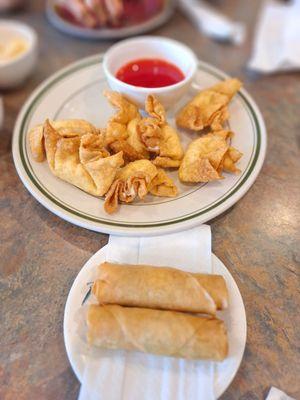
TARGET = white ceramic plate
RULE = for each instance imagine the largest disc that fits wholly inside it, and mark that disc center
(234, 317)
(76, 92)
(108, 33)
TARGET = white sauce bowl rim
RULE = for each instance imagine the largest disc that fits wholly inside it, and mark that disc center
(148, 39)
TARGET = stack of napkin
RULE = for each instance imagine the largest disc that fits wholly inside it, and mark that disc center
(277, 40)
(276, 394)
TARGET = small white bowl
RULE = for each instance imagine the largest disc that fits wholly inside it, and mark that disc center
(14, 71)
(150, 47)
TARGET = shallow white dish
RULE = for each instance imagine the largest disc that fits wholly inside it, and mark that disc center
(13, 72)
(107, 33)
(76, 92)
(234, 317)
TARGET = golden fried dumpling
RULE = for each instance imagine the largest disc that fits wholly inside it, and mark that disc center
(65, 128)
(129, 153)
(170, 149)
(148, 132)
(209, 107)
(166, 162)
(155, 109)
(144, 166)
(231, 157)
(225, 134)
(119, 137)
(229, 87)
(92, 148)
(162, 185)
(81, 161)
(158, 137)
(121, 126)
(126, 109)
(206, 158)
(131, 182)
(115, 131)
(134, 138)
(202, 159)
(147, 137)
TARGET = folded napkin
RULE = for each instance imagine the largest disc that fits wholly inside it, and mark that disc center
(135, 376)
(276, 394)
(276, 44)
(211, 22)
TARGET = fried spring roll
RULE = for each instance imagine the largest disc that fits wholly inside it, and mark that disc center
(159, 332)
(160, 287)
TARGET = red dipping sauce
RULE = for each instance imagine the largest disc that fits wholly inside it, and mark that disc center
(150, 73)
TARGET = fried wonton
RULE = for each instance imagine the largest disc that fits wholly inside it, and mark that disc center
(115, 131)
(148, 133)
(154, 138)
(166, 162)
(129, 153)
(81, 160)
(165, 139)
(207, 156)
(170, 149)
(148, 137)
(231, 157)
(131, 182)
(120, 127)
(134, 138)
(155, 109)
(65, 128)
(127, 111)
(209, 107)
(162, 185)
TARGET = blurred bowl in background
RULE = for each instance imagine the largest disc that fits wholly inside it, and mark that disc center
(150, 47)
(22, 58)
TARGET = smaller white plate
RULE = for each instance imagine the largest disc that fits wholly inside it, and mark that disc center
(108, 33)
(234, 317)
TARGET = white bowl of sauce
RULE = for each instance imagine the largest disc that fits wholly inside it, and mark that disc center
(18, 52)
(150, 65)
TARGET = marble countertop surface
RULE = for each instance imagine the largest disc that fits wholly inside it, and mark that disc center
(257, 239)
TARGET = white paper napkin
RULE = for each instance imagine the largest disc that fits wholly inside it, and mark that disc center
(125, 375)
(276, 394)
(277, 40)
(211, 22)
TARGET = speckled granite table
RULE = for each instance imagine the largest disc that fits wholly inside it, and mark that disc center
(257, 239)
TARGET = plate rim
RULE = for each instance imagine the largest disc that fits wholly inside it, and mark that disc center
(124, 228)
(218, 391)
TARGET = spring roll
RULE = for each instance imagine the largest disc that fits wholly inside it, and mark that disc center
(160, 287)
(159, 332)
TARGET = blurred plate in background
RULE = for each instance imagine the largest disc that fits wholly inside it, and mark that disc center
(64, 24)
